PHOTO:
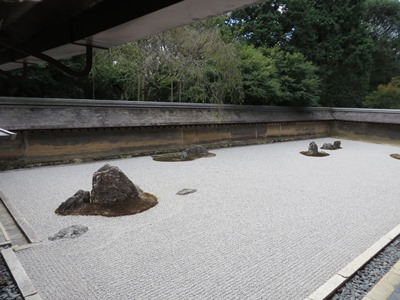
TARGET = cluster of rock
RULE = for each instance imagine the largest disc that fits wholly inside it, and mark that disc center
(313, 149)
(191, 153)
(328, 146)
(195, 152)
(113, 194)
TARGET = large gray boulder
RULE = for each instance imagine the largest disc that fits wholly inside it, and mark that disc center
(73, 203)
(110, 185)
(113, 194)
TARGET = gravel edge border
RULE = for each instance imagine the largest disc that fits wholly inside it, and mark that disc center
(336, 281)
(21, 222)
(17, 271)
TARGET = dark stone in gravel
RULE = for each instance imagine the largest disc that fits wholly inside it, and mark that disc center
(73, 203)
(196, 150)
(111, 185)
(186, 191)
(69, 232)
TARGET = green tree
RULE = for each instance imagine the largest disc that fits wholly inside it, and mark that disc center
(383, 20)
(299, 83)
(261, 25)
(192, 64)
(386, 96)
(260, 76)
(331, 34)
(276, 77)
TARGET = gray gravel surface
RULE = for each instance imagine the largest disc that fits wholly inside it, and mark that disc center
(265, 223)
(8, 287)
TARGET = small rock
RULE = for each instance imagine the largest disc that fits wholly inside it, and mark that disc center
(186, 191)
(69, 232)
(184, 155)
(328, 146)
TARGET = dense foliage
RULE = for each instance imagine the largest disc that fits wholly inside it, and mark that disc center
(383, 19)
(275, 77)
(386, 96)
(289, 52)
(330, 34)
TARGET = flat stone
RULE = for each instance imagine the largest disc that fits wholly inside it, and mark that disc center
(33, 297)
(381, 291)
(397, 265)
(186, 191)
(391, 278)
(70, 232)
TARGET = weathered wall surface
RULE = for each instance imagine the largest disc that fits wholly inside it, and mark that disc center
(64, 145)
(59, 130)
(32, 113)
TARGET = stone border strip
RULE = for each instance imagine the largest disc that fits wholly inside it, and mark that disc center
(5, 234)
(386, 286)
(336, 281)
(21, 278)
(5, 244)
(22, 223)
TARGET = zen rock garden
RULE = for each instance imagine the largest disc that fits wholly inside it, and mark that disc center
(313, 149)
(113, 194)
(191, 153)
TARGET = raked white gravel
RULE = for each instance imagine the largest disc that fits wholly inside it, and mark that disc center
(265, 223)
